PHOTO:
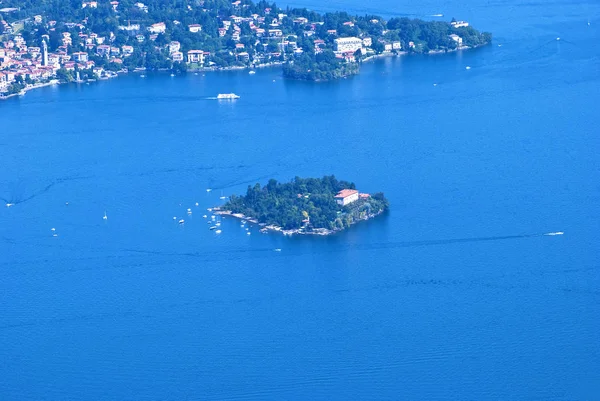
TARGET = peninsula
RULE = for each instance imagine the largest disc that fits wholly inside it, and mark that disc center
(64, 41)
(317, 206)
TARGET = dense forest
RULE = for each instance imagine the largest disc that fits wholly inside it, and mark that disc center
(307, 202)
(321, 67)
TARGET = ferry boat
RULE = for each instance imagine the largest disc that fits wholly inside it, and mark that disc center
(227, 96)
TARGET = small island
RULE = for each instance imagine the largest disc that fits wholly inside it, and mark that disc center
(312, 206)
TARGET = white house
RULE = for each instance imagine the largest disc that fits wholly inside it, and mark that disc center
(80, 57)
(350, 44)
(159, 27)
(346, 196)
(457, 39)
(367, 42)
(177, 56)
(195, 56)
(195, 28)
(174, 46)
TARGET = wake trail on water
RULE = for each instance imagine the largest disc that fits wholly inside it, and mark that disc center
(23, 199)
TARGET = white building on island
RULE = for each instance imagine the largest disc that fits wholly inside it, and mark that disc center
(350, 44)
(346, 196)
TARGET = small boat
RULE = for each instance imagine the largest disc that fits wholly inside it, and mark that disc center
(555, 233)
(213, 228)
(218, 232)
(181, 221)
(174, 217)
(172, 75)
(105, 217)
(10, 204)
(204, 216)
(277, 249)
(468, 67)
(197, 204)
(222, 197)
(208, 190)
(251, 72)
(248, 233)
(213, 217)
(218, 224)
(189, 211)
(55, 235)
(227, 96)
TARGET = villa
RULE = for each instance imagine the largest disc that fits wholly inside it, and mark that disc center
(346, 196)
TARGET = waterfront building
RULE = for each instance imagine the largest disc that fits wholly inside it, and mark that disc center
(177, 56)
(195, 56)
(456, 38)
(367, 42)
(346, 196)
(349, 44)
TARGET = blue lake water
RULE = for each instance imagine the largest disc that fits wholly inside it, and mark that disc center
(455, 294)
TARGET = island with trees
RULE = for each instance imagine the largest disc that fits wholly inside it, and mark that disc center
(318, 206)
(82, 40)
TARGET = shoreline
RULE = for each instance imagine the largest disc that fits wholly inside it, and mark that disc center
(265, 228)
(142, 70)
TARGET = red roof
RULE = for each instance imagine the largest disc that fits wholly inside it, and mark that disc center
(344, 193)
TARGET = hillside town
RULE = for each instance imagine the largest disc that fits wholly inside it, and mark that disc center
(101, 38)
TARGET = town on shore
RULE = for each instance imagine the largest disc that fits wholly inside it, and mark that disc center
(49, 42)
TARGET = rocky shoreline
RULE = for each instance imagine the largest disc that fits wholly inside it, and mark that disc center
(265, 228)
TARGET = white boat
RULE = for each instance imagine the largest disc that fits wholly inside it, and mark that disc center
(251, 72)
(181, 221)
(213, 227)
(105, 217)
(227, 96)
(218, 231)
